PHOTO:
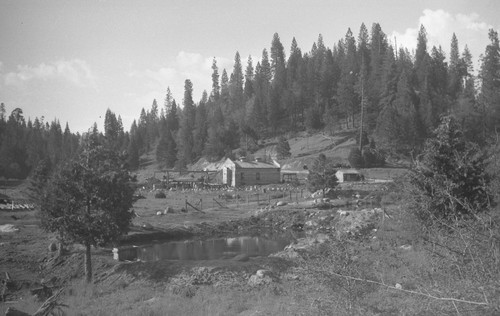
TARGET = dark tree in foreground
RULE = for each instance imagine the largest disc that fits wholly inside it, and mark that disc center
(322, 175)
(449, 181)
(88, 200)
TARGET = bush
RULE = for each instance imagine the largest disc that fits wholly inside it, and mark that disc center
(449, 181)
(160, 195)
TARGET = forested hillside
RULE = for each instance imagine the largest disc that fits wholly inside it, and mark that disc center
(396, 95)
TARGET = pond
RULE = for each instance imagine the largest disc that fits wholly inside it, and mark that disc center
(220, 248)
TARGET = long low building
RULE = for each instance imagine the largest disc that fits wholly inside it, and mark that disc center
(243, 172)
(348, 175)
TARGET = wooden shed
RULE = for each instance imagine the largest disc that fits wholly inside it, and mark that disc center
(243, 172)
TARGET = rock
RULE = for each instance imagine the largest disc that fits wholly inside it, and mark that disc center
(242, 257)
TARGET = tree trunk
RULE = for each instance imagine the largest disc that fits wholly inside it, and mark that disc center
(88, 263)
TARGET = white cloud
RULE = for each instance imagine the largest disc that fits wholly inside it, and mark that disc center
(440, 26)
(192, 66)
(76, 71)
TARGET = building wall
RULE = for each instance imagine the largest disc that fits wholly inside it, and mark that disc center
(256, 176)
(250, 177)
(228, 164)
(347, 176)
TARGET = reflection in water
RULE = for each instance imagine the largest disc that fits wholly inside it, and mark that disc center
(211, 249)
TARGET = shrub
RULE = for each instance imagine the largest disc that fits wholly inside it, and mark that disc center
(160, 195)
(449, 181)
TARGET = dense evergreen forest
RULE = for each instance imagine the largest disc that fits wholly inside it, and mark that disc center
(400, 94)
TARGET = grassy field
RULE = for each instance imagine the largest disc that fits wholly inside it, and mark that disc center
(386, 270)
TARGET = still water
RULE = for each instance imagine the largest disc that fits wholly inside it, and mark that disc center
(221, 248)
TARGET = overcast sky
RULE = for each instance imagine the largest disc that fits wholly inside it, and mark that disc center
(74, 59)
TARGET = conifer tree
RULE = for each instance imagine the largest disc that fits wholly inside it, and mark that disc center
(455, 70)
(236, 84)
(346, 95)
(224, 91)
(421, 57)
(249, 75)
(375, 83)
(294, 107)
(215, 94)
(200, 127)
(172, 118)
(133, 147)
(214, 148)
(489, 75)
(186, 141)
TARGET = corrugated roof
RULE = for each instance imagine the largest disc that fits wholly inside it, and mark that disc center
(255, 165)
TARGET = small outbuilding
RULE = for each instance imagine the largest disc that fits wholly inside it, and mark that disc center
(348, 175)
(244, 172)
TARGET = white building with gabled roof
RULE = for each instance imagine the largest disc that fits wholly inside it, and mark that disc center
(236, 173)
